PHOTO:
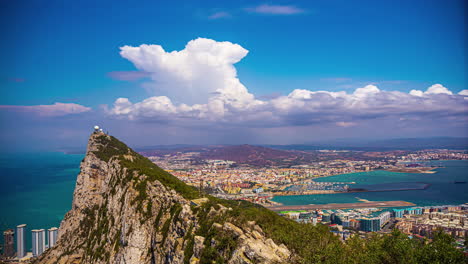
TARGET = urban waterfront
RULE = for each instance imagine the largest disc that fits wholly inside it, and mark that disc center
(442, 189)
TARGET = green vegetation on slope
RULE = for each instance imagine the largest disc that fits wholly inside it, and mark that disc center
(113, 148)
(310, 244)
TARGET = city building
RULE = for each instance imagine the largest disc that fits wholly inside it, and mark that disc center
(314, 220)
(20, 241)
(414, 211)
(8, 243)
(38, 242)
(306, 215)
(326, 218)
(398, 213)
(258, 190)
(384, 218)
(370, 224)
(346, 223)
(53, 232)
(353, 223)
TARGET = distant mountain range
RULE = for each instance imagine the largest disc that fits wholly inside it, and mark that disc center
(383, 145)
(256, 155)
(290, 155)
(260, 156)
(340, 144)
(241, 154)
(421, 143)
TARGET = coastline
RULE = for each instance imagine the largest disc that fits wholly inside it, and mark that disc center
(441, 181)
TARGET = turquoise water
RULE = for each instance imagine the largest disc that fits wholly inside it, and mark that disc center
(441, 191)
(36, 189)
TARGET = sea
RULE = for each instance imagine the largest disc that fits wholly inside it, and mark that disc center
(442, 189)
(36, 189)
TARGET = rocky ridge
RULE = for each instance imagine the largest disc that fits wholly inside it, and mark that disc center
(127, 210)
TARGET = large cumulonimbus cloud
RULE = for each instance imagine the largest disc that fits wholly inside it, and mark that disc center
(193, 74)
(203, 81)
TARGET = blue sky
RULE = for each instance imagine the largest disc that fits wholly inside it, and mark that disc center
(66, 52)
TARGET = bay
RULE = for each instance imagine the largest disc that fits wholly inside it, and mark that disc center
(442, 189)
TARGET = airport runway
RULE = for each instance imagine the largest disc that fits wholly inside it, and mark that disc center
(340, 206)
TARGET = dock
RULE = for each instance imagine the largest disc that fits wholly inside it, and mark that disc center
(341, 206)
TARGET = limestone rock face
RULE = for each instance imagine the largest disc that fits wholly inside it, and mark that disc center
(122, 214)
(254, 247)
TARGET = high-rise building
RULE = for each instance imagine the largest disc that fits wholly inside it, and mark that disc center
(326, 218)
(20, 241)
(398, 213)
(384, 218)
(38, 242)
(9, 243)
(370, 224)
(53, 232)
(336, 219)
(43, 239)
(314, 220)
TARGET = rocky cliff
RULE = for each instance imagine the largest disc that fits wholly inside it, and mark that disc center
(127, 210)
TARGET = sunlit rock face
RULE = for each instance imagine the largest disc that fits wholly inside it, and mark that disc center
(122, 213)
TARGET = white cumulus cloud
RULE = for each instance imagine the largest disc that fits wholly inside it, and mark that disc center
(199, 84)
(366, 91)
(434, 89)
(463, 92)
